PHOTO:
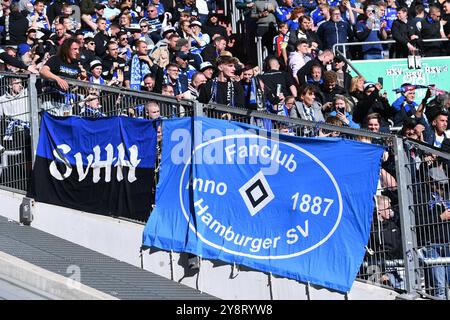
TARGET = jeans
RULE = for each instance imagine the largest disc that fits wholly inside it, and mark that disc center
(369, 56)
(437, 277)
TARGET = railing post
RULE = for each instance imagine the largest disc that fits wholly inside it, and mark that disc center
(198, 109)
(34, 115)
(405, 198)
(259, 52)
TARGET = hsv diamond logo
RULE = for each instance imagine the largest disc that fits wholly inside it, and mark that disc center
(256, 193)
(267, 181)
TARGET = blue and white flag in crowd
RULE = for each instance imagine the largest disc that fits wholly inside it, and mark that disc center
(103, 165)
(297, 207)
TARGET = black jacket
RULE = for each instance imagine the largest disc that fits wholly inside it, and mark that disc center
(401, 33)
(212, 29)
(17, 29)
(221, 95)
(370, 104)
(209, 53)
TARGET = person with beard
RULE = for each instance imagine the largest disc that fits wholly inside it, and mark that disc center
(430, 28)
(29, 43)
(113, 65)
(223, 89)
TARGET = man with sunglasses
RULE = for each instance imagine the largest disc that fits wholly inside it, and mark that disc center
(146, 33)
(125, 51)
(87, 51)
(154, 24)
(430, 27)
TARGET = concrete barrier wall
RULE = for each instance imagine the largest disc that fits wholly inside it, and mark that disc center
(121, 240)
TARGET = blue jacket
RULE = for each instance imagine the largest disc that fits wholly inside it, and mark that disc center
(365, 34)
(282, 12)
(331, 33)
(349, 117)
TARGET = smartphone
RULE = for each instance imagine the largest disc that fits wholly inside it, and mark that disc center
(341, 110)
(380, 80)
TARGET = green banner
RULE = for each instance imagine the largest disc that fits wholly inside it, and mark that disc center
(395, 72)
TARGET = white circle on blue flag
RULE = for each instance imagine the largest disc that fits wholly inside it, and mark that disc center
(267, 199)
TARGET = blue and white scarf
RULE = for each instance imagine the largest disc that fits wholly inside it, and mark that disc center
(101, 80)
(438, 200)
(13, 123)
(87, 111)
(139, 69)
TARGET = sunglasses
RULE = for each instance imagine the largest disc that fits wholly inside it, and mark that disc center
(145, 26)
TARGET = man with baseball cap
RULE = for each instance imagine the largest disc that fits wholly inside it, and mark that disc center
(207, 68)
(198, 39)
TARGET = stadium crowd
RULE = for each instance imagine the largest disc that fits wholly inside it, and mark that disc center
(188, 49)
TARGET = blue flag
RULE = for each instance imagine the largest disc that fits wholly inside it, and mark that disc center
(297, 207)
(102, 165)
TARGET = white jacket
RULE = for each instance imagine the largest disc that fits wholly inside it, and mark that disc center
(16, 107)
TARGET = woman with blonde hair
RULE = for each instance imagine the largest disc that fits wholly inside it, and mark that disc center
(342, 110)
(357, 88)
(161, 56)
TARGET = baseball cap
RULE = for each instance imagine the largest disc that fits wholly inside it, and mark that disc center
(205, 65)
(167, 29)
(196, 23)
(99, 6)
(369, 85)
(94, 63)
(23, 48)
(182, 55)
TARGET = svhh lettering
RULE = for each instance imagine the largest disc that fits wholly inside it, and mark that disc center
(94, 162)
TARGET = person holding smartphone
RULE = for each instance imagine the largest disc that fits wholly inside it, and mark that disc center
(341, 109)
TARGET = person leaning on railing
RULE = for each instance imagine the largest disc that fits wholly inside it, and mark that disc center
(64, 64)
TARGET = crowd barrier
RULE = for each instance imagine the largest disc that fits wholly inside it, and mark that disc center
(403, 251)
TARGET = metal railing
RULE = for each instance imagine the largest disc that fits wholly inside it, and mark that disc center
(404, 267)
(337, 46)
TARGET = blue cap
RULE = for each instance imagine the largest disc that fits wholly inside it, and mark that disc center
(23, 48)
